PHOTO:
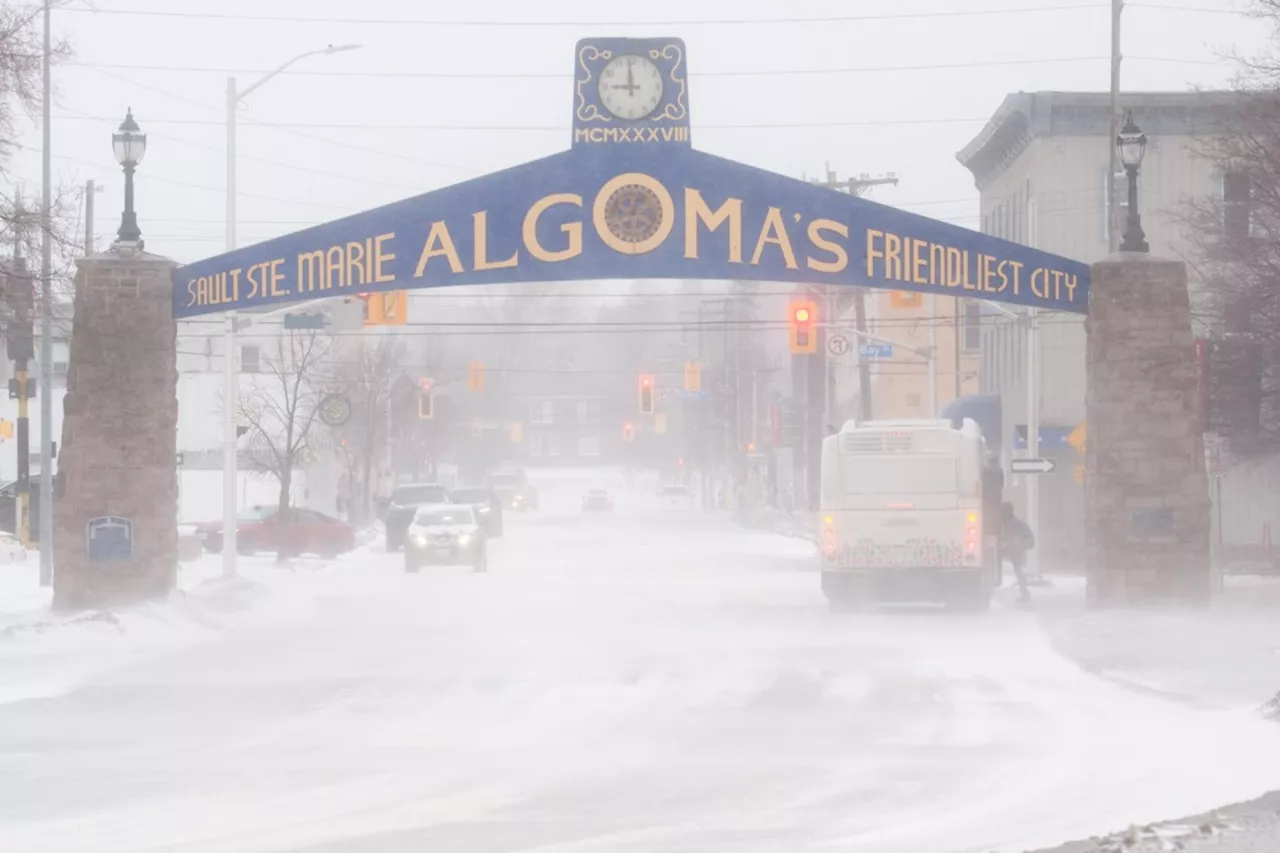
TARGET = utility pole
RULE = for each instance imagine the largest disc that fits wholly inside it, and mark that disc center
(46, 319)
(1113, 230)
(857, 187)
(19, 345)
(90, 188)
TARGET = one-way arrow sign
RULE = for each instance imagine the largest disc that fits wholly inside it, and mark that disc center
(1032, 466)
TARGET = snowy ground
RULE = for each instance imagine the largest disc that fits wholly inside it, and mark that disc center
(651, 681)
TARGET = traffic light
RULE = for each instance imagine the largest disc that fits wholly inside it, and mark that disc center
(646, 394)
(475, 376)
(426, 405)
(692, 377)
(390, 308)
(803, 319)
(628, 432)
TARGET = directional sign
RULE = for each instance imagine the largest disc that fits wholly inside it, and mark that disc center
(875, 350)
(838, 345)
(1031, 466)
(1078, 437)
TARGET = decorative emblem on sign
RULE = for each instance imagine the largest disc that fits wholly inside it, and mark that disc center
(335, 410)
(633, 213)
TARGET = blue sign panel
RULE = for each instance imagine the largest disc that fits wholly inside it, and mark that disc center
(109, 538)
(612, 208)
(1050, 437)
(875, 350)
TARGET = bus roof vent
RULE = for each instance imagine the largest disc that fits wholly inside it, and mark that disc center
(876, 441)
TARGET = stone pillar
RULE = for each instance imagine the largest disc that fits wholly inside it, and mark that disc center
(118, 451)
(1147, 494)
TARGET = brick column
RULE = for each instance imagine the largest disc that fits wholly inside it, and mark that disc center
(1147, 494)
(118, 451)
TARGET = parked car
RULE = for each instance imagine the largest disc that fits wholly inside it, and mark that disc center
(597, 500)
(300, 531)
(486, 503)
(405, 501)
(444, 534)
(11, 550)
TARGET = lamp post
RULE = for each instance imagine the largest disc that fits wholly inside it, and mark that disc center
(230, 387)
(1131, 145)
(129, 144)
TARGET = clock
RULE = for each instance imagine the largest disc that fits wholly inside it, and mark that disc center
(630, 86)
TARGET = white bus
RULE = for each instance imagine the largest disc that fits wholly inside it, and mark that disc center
(901, 515)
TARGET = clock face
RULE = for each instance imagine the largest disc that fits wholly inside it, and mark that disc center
(630, 86)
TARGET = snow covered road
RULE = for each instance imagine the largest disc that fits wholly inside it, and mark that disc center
(643, 682)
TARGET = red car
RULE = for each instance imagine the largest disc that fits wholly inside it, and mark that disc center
(304, 532)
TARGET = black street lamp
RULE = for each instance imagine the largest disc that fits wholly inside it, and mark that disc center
(129, 144)
(1132, 145)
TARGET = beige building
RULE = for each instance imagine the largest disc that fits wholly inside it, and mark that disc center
(1040, 165)
(901, 382)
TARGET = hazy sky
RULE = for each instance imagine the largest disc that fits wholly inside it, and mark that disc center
(873, 87)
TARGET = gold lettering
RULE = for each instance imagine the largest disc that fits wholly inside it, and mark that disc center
(234, 275)
(1017, 271)
(1071, 283)
(311, 271)
(192, 286)
(277, 277)
(893, 257)
(918, 260)
(697, 210)
(1038, 290)
(872, 251)
(937, 263)
(355, 265)
(439, 244)
(529, 230)
(480, 252)
(254, 277)
(774, 231)
(954, 264)
(382, 256)
(964, 268)
(826, 244)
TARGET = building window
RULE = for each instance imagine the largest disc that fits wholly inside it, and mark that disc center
(553, 445)
(1237, 205)
(972, 340)
(542, 412)
(250, 359)
(913, 401)
(588, 445)
(535, 445)
(588, 411)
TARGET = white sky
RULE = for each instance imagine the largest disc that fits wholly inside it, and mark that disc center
(415, 133)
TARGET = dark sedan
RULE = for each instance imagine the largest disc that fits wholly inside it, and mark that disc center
(486, 503)
(597, 500)
(405, 501)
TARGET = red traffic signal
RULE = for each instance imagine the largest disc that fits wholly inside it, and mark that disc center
(646, 394)
(802, 333)
(628, 432)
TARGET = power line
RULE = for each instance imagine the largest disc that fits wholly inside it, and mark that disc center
(553, 128)
(579, 24)
(562, 77)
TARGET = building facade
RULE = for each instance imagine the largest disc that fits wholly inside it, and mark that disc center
(1040, 165)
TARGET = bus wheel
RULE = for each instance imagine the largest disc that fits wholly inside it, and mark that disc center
(843, 595)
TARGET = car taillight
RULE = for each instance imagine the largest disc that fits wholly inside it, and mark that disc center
(829, 535)
(972, 536)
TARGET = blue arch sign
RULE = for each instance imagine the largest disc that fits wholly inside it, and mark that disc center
(631, 198)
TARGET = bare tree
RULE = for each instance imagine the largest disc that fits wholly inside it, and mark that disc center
(366, 373)
(281, 407)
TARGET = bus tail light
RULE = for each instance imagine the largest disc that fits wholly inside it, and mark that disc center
(972, 536)
(829, 535)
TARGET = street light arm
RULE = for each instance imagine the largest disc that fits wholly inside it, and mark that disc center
(243, 93)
